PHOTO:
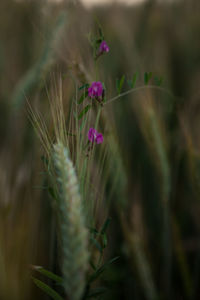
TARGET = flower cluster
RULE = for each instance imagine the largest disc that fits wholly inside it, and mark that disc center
(94, 136)
(96, 91)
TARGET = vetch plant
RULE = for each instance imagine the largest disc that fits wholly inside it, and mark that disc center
(69, 169)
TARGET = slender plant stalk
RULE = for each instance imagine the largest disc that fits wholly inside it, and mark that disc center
(141, 263)
(165, 194)
(145, 87)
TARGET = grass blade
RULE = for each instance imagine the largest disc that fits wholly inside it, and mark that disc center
(47, 289)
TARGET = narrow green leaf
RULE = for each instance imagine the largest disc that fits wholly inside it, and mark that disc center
(132, 82)
(83, 123)
(93, 266)
(158, 80)
(96, 292)
(53, 195)
(85, 86)
(105, 225)
(147, 77)
(84, 111)
(105, 241)
(101, 32)
(135, 76)
(129, 83)
(47, 289)
(48, 274)
(83, 96)
(120, 84)
(93, 230)
(98, 41)
(117, 85)
(99, 271)
(45, 160)
(97, 245)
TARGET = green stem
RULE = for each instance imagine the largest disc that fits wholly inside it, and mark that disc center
(96, 71)
(98, 117)
(144, 87)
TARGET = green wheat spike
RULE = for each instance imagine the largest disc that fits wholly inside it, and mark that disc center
(74, 235)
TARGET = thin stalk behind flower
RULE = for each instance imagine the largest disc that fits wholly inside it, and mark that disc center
(165, 194)
(138, 259)
(74, 235)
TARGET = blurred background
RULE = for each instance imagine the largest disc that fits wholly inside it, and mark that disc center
(155, 212)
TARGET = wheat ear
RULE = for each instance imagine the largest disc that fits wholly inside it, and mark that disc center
(74, 235)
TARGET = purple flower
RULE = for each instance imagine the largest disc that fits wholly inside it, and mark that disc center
(99, 138)
(95, 90)
(92, 133)
(94, 136)
(104, 47)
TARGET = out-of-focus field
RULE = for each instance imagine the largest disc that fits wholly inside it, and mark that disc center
(157, 232)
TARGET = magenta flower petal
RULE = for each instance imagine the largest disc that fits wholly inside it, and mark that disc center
(104, 47)
(94, 136)
(95, 90)
(92, 133)
(99, 138)
(90, 92)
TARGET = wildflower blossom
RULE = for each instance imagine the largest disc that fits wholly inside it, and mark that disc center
(99, 138)
(94, 136)
(103, 47)
(95, 90)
